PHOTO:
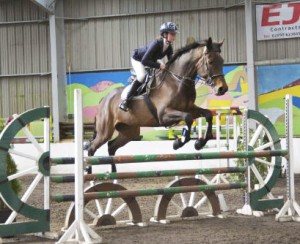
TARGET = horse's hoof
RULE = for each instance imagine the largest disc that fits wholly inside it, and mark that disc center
(177, 144)
(199, 144)
(91, 152)
(86, 145)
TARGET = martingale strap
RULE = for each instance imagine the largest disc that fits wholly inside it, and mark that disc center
(151, 107)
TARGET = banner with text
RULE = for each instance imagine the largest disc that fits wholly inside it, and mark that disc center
(278, 21)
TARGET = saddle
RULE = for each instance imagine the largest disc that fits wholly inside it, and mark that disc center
(144, 88)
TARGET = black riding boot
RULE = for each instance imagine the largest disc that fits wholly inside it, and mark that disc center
(124, 104)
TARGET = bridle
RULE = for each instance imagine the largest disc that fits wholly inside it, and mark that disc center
(206, 81)
(210, 78)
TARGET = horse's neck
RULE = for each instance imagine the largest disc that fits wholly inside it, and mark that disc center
(185, 66)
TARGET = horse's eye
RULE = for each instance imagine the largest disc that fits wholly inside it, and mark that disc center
(210, 62)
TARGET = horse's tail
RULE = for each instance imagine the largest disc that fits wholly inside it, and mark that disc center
(94, 131)
(87, 144)
(95, 120)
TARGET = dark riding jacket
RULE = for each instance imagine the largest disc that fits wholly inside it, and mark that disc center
(149, 54)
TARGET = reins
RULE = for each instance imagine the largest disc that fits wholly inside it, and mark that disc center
(205, 81)
(179, 77)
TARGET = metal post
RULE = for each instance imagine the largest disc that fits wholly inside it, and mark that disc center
(55, 107)
(250, 56)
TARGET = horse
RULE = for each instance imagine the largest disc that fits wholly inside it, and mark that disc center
(171, 100)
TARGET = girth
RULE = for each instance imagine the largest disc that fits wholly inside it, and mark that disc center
(151, 107)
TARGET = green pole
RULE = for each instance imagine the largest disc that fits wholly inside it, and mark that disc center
(149, 192)
(183, 156)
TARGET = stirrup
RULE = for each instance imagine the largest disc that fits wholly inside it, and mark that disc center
(123, 105)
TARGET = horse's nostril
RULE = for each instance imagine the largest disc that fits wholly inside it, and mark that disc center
(222, 90)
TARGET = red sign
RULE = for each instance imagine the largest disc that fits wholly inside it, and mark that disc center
(278, 21)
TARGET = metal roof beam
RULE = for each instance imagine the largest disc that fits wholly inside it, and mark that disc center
(46, 5)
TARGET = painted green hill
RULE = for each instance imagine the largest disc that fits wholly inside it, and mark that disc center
(280, 123)
(230, 75)
(275, 103)
(90, 98)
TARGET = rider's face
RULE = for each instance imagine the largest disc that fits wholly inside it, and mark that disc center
(171, 37)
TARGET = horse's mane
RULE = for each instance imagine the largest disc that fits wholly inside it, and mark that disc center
(212, 46)
(179, 52)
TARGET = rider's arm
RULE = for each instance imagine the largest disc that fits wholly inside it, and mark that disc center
(149, 59)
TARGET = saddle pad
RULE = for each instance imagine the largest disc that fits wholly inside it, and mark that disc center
(139, 96)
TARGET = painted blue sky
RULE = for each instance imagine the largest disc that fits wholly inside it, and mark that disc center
(273, 77)
(227, 69)
(91, 79)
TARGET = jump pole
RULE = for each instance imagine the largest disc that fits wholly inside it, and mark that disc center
(143, 158)
(79, 231)
(290, 210)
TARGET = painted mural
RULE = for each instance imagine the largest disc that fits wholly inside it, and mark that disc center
(274, 82)
(95, 86)
(237, 95)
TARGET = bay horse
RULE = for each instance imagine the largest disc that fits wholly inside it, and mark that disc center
(170, 100)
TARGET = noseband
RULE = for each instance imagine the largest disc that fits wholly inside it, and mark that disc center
(210, 78)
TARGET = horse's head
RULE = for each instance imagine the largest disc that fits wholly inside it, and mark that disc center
(210, 67)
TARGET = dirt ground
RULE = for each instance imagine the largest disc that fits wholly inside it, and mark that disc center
(233, 228)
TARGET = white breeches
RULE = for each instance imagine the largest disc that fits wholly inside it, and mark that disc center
(139, 69)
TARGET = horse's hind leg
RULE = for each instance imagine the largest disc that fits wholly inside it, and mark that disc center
(126, 134)
(104, 133)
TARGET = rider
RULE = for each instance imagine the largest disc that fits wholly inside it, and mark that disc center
(150, 56)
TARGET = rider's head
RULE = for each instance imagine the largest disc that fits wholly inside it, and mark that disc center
(168, 30)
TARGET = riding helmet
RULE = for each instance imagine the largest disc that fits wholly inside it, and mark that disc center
(168, 27)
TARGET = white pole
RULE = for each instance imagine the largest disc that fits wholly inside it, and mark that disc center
(227, 136)
(78, 124)
(246, 210)
(82, 232)
(47, 149)
(290, 210)
(235, 133)
(218, 139)
(289, 146)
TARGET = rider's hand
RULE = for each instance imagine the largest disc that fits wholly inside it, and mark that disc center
(162, 66)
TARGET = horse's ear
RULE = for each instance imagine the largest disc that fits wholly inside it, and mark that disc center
(221, 43)
(209, 43)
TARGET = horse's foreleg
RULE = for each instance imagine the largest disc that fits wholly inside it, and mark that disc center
(200, 112)
(170, 116)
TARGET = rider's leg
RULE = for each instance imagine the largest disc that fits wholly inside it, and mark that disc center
(133, 88)
(140, 75)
